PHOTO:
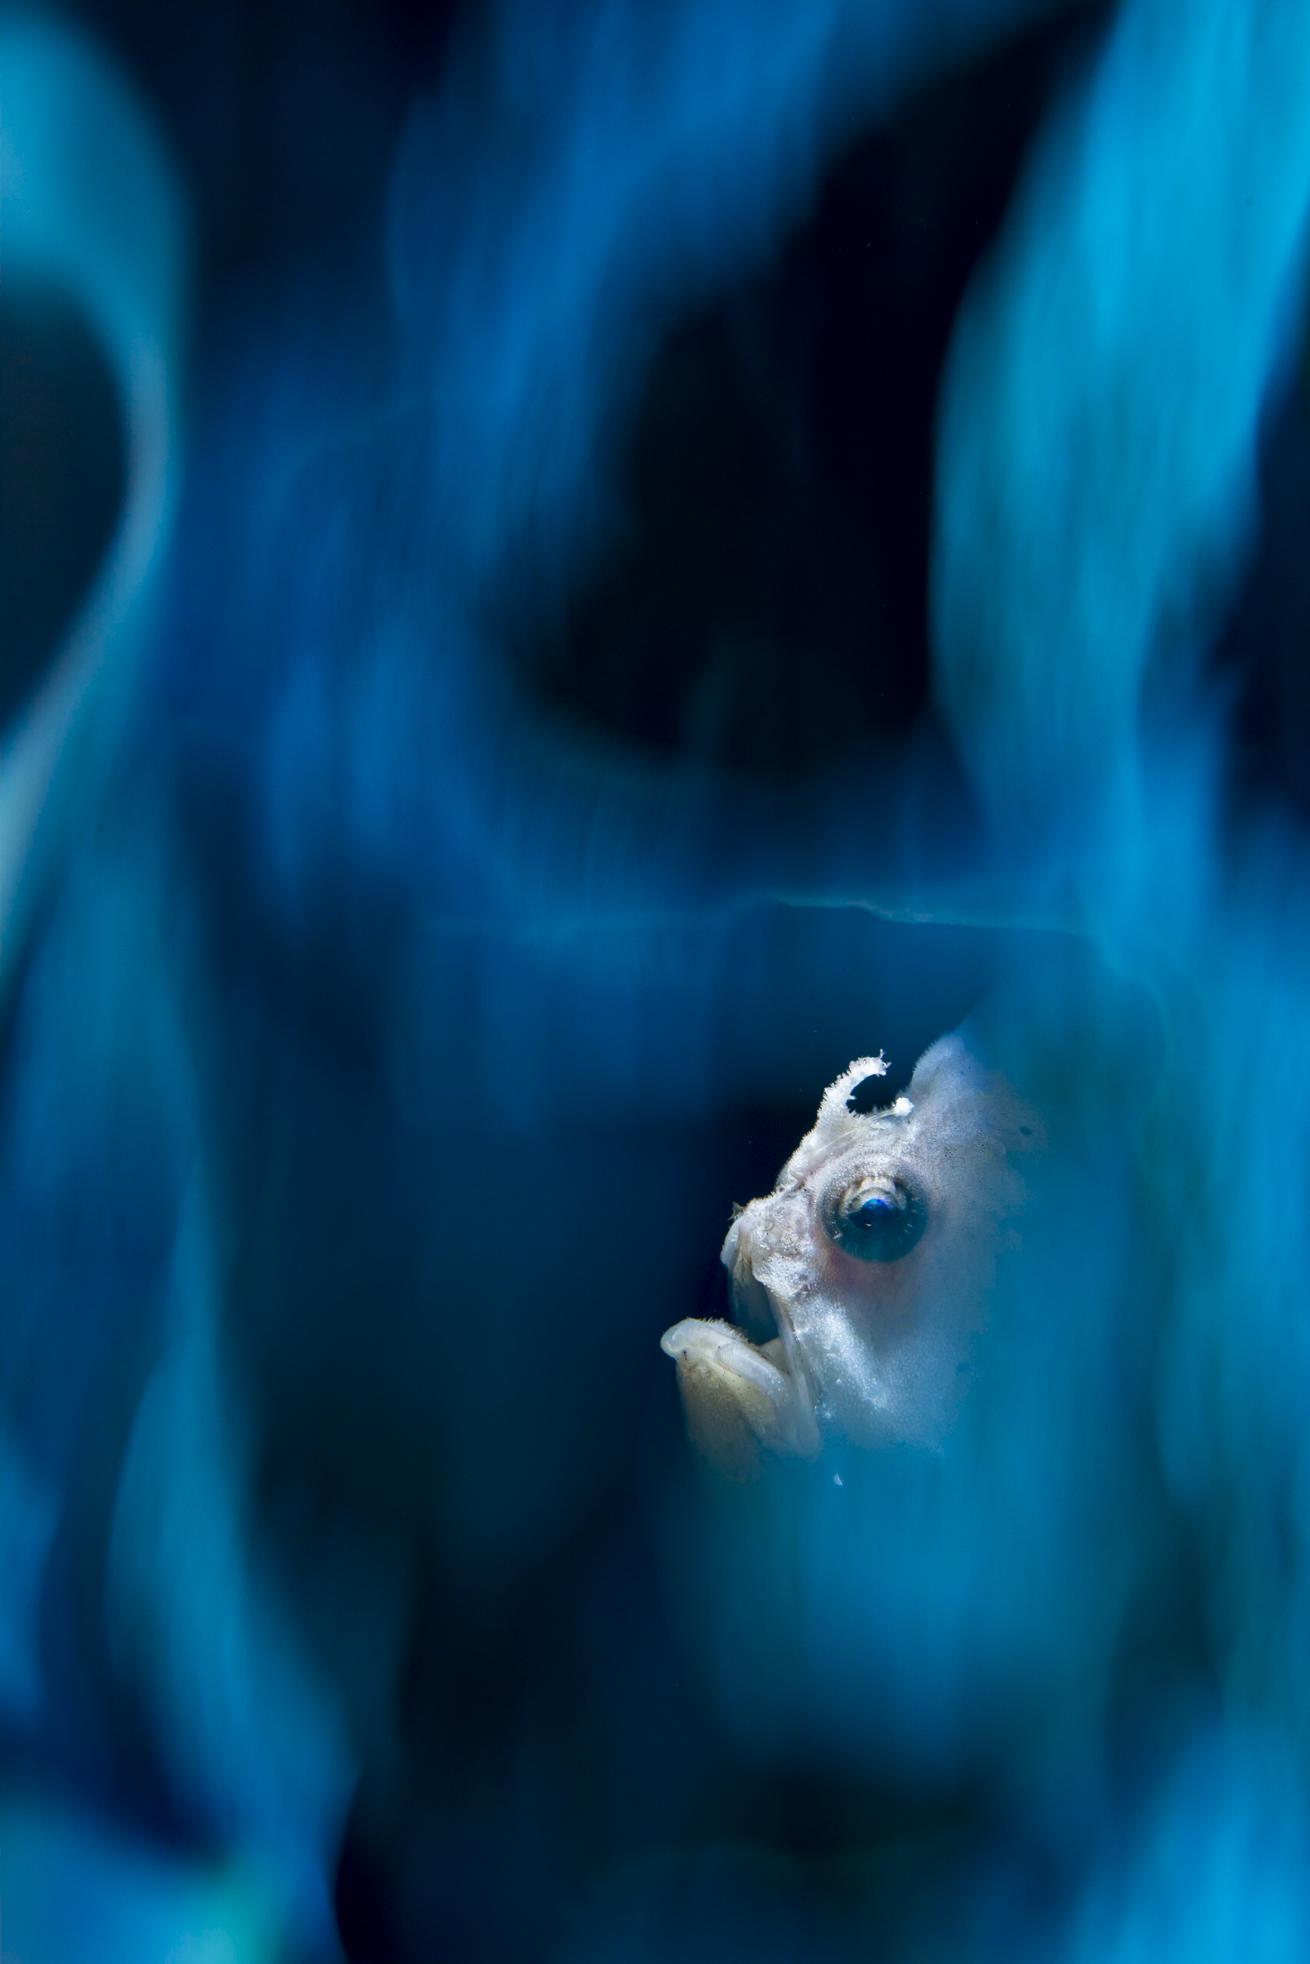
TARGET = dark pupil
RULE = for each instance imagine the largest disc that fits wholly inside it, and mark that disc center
(882, 1227)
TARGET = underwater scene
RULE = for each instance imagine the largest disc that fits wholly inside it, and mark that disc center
(655, 982)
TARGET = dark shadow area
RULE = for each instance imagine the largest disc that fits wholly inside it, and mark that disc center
(61, 480)
(767, 608)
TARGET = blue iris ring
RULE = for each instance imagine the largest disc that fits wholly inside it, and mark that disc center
(876, 1224)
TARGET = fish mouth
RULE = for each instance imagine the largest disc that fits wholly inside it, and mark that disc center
(765, 1318)
(752, 1305)
(744, 1385)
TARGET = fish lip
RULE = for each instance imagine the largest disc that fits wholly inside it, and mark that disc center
(780, 1310)
(753, 1306)
(748, 1361)
(764, 1315)
(785, 1348)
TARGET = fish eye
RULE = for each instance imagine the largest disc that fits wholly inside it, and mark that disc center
(876, 1220)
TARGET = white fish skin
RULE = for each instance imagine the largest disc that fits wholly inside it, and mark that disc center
(874, 1258)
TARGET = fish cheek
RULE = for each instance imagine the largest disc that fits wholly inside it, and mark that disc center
(870, 1293)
